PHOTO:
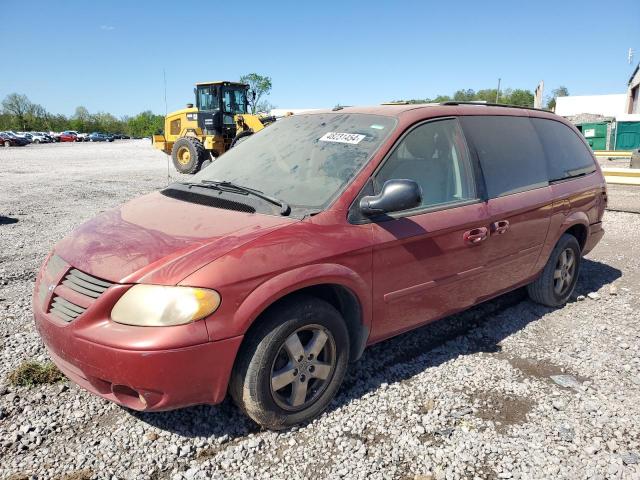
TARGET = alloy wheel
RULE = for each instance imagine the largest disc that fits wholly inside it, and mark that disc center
(564, 272)
(303, 367)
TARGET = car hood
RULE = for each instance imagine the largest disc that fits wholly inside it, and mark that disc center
(160, 240)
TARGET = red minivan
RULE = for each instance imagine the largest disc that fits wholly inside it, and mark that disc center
(275, 266)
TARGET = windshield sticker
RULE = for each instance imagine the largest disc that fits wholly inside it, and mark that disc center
(377, 127)
(337, 137)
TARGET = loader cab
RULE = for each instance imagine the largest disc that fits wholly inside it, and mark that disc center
(218, 103)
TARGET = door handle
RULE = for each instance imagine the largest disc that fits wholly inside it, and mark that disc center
(475, 236)
(500, 227)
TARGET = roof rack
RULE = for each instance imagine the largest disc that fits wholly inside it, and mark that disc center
(489, 104)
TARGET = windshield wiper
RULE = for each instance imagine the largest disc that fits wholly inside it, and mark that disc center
(227, 186)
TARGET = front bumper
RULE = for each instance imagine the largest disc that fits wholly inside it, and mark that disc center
(143, 368)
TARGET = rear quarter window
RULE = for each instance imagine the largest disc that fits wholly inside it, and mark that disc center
(510, 153)
(567, 155)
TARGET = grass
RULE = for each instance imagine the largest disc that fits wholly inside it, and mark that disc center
(29, 374)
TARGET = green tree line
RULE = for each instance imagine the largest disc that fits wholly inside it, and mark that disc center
(20, 114)
(508, 96)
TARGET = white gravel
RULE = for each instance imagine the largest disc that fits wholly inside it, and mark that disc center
(509, 389)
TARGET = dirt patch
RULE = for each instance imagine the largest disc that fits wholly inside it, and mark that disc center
(208, 452)
(535, 368)
(84, 474)
(503, 411)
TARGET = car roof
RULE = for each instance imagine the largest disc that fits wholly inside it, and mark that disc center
(427, 110)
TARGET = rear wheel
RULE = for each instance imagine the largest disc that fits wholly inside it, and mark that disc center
(187, 154)
(560, 275)
(292, 364)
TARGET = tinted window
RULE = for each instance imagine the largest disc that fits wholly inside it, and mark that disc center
(435, 156)
(567, 155)
(510, 153)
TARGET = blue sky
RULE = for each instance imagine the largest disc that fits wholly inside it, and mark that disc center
(109, 55)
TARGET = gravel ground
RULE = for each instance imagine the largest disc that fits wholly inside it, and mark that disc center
(471, 396)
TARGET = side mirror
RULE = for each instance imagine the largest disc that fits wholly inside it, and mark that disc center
(396, 195)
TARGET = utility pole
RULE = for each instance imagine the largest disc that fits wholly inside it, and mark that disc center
(498, 91)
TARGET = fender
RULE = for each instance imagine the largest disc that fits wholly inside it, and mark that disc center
(563, 224)
(317, 274)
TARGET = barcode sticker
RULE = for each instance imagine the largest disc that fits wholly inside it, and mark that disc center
(352, 138)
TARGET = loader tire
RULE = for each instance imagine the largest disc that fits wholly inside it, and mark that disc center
(188, 154)
(241, 137)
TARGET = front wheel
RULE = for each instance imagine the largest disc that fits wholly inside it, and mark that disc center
(558, 279)
(292, 364)
(7, 143)
(241, 137)
(187, 154)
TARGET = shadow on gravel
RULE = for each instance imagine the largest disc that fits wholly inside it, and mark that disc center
(479, 329)
(7, 220)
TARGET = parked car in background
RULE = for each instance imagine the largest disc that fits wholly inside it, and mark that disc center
(49, 137)
(35, 137)
(19, 135)
(99, 137)
(272, 269)
(9, 140)
(68, 136)
(82, 137)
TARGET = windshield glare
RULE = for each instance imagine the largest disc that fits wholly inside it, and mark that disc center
(304, 160)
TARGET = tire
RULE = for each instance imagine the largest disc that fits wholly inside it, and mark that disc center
(558, 279)
(7, 143)
(263, 353)
(241, 137)
(187, 154)
(36, 141)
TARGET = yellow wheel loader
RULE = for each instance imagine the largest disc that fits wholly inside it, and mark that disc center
(196, 135)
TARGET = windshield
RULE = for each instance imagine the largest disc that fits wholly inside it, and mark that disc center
(207, 98)
(304, 160)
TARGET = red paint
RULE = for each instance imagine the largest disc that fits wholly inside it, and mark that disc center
(67, 137)
(403, 272)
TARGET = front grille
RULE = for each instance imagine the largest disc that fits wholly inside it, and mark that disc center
(65, 310)
(86, 285)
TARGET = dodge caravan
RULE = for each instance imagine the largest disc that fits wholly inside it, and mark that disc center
(270, 270)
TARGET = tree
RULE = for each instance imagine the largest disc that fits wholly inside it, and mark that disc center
(464, 95)
(561, 91)
(18, 106)
(265, 106)
(145, 124)
(519, 97)
(259, 85)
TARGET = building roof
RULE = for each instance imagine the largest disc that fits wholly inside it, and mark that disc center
(607, 105)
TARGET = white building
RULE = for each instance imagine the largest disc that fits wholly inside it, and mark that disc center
(606, 105)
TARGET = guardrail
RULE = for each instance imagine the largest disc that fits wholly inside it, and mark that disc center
(612, 153)
(622, 176)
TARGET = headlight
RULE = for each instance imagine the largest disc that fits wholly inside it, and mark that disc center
(158, 306)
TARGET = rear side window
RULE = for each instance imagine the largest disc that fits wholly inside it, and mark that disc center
(567, 155)
(510, 153)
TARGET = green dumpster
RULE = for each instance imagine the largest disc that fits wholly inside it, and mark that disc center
(596, 134)
(627, 135)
